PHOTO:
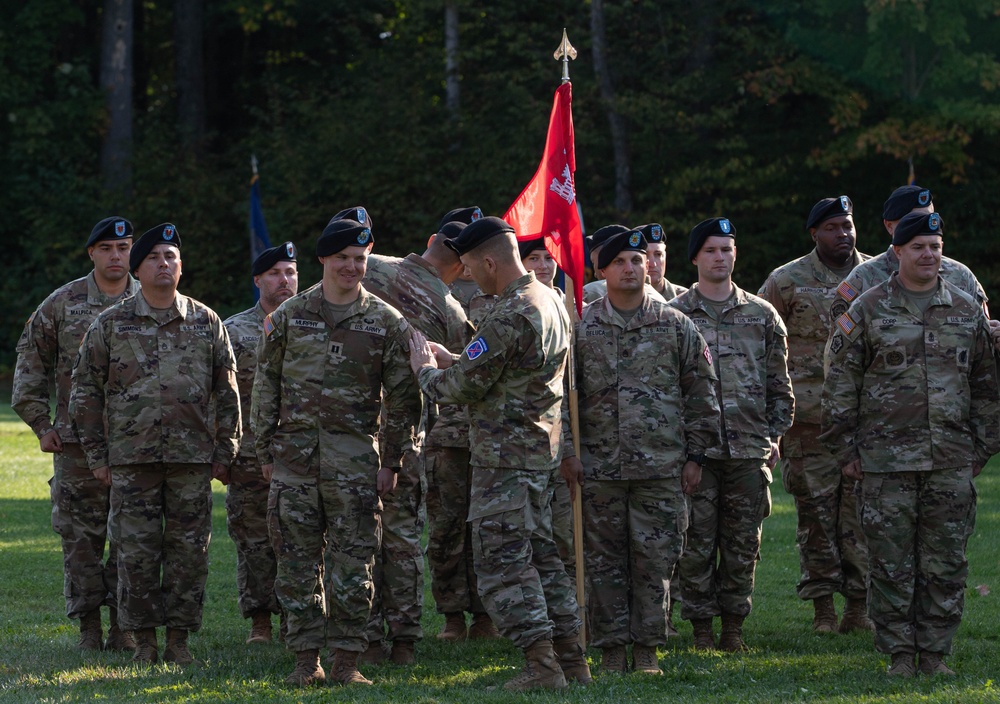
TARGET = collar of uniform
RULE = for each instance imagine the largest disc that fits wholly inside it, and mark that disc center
(738, 299)
(314, 301)
(96, 297)
(518, 283)
(142, 306)
(608, 315)
(891, 260)
(824, 273)
(899, 299)
(417, 260)
(258, 310)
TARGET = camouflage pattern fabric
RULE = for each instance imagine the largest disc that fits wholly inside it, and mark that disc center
(596, 290)
(464, 291)
(669, 290)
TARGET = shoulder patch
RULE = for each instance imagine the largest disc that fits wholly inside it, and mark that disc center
(847, 292)
(846, 323)
(837, 343)
(708, 356)
(268, 325)
(476, 348)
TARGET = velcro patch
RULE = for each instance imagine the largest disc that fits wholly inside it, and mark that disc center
(846, 323)
(371, 329)
(194, 328)
(308, 324)
(126, 329)
(708, 355)
(268, 326)
(847, 292)
(961, 320)
(476, 348)
(747, 320)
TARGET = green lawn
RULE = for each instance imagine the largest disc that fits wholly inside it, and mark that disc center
(39, 663)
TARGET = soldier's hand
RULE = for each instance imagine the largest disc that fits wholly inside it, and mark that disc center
(571, 469)
(442, 356)
(220, 472)
(50, 442)
(420, 352)
(976, 469)
(103, 475)
(853, 470)
(995, 332)
(775, 455)
(690, 477)
(385, 481)
(267, 470)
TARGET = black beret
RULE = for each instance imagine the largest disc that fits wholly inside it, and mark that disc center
(269, 257)
(526, 247)
(713, 227)
(113, 228)
(161, 234)
(653, 232)
(451, 230)
(904, 199)
(358, 214)
(916, 224)
(343, 233)
(466, 216)
(631, 241)
(478, 232)
(604, 234)
(829, 208)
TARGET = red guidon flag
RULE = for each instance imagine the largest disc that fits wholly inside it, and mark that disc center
(547, 205)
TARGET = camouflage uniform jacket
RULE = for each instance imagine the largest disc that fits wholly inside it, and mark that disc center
(802, 291)
(669, 290)
(598, 289)
(464, 291)
(749, 348)
(878, 269)
(911, 392)
(647, 392)
(244, 334)
(414, 288)
(321, 387)
(511, 375)
(153, 384)
(47, 350)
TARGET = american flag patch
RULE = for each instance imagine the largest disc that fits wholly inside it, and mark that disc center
(846, 323)
(847, 291)
(268, 326)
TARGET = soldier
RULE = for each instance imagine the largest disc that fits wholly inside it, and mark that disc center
(511, 376)
(275, 274)
(80, 503)
(596, 289)
(903, 200)
(656, 261)
(910, 407)
(150, 368)
(330, 359)
(747, 341)
(647, 402)
(831, 544)
(463, 288)
(417, 286)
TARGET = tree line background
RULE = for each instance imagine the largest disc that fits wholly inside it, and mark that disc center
(683, 110)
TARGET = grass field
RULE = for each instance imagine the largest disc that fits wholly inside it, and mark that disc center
(787, 662)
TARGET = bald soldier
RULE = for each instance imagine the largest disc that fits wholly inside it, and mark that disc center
(80, 502)
(511, 375)
(276, 276)
(832, 554)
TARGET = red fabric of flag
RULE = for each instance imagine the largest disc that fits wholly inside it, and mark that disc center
(547, 205)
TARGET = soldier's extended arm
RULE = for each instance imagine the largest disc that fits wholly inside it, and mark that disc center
(37, 350)
(87, 395)
(401, 398)
(228, 422)
(265, 401)
(477, 369)
(780, 405)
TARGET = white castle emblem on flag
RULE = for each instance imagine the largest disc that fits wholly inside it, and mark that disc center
(565, 188)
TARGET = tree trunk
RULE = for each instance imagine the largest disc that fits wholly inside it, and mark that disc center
(190, 71)
(619, 133)
(451, 78)
(116, 82)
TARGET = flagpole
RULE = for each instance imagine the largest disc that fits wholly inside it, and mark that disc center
(565, 53)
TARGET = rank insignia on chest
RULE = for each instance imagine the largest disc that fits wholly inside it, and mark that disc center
(268, 326)
(847, 291)
(476, 348)
(846, 323)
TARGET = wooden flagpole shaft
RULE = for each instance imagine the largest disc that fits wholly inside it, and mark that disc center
(574, 422)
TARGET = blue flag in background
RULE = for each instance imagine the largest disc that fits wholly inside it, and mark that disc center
(259, 241)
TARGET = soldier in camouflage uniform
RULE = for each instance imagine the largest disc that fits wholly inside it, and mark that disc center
(511, 375)
(153, 368)
(80, 503)
(275, 274)
(417, 286)
(647, 402)
(656, 261)
(910, 407)
(832, 552)
(868, 274)
(329, 360)
(748, 343)
(597, 289)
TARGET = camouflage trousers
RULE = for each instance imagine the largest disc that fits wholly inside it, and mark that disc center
(311, 513)
(399, 566)
(161, 515)
(449, 535)
(832, 552)
(522, 581)
(246, 519)
(633, 535)
(723, 538)
(562, 529)
(80, 508)
(917, 525)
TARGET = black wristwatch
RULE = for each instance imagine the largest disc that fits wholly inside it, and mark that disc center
(698, 459)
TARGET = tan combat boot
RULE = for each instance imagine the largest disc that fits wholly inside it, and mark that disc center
(117, 638)
(933, 664)
(307, 670)
(855, 617)
(645, 661)
(260, 627)
(825, 616)
(731, 638)
(614, 659)
(541, 669)
(403, 653)
(345, 668)
(91, 636)
(902, 665)
(454, 627)
(145, 646)
(704, 638)
(482, 628)
(176, 649)
(572, 659)
(374, 654)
